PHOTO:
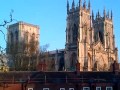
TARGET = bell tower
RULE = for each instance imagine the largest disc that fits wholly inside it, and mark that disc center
(104, 29)
(104, 34)
(78, 34)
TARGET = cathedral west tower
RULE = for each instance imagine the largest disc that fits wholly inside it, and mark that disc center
(89, 41)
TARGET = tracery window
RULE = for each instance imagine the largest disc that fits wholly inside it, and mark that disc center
(16, 35)
(101, 37)
(75, 33)
(61, 64)
(73, 61)
(11, 37)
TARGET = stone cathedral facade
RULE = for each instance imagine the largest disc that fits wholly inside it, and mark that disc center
(90, 40)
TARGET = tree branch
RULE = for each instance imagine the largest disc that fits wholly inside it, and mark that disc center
(4, 35)
(5, 22)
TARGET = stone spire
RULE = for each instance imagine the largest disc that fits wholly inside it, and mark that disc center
(92, 15)
(84, 4)
(80, 3)
(67, 6)
(89, 5)
(104, 13)
(108, 14)
(111, 15)
(73, 4)
(98, 14)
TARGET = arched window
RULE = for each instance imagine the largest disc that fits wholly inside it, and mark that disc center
(101, 37)
(96, 37)
(52, 64)
(73, 61)
(61, 64)
(95, 66)
(102, 65)
(33, 39)
(75, 33)
(11, 40)
(16, 35)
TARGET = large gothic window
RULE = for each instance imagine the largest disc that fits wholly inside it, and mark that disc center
(95, 66)
(96, 37)
(75, 33)
(102, 65)
(16, 35)
(16, 41)
(11, 37)
(101, 37)
(53, 64)
(73, 61)
(61, 64)
(11, 42)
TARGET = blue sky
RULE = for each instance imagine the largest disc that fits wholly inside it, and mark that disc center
(50, 15)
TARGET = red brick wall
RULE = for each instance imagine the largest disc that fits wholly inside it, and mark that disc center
(10, 86)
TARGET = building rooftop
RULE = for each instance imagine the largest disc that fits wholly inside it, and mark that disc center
(25, 23)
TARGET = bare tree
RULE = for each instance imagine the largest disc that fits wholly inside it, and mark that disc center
(26, 60)
(30, 57)
(2, 55)
(46, 59)
(43, 58)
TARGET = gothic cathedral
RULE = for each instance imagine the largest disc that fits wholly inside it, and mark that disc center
(90, 41)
